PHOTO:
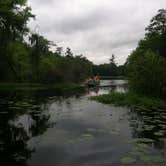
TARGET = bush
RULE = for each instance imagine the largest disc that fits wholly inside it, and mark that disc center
(131, 99)
(147, 73)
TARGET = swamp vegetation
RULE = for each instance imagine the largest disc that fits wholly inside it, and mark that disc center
(131, 99)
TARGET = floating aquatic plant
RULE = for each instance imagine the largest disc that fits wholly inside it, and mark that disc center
(128, 160)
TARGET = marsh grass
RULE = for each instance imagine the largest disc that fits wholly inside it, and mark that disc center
(130, 99)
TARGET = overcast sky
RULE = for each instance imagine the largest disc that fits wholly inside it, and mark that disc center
(95, 28)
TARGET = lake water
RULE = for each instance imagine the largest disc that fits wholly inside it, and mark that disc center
(50, 128)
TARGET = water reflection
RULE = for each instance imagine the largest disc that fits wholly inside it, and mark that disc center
(92, 90)
(65, 128)
(107, 86)
(22, 117)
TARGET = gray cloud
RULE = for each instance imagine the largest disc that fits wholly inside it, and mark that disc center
(96, 28)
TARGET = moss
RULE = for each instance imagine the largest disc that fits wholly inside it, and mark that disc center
(130, 99)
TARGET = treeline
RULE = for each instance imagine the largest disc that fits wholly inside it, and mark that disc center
(110, 69)
(26, 57)
(147, 63)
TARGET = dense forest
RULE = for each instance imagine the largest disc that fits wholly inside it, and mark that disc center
(26, 56)
(110, 69)
(147, 63)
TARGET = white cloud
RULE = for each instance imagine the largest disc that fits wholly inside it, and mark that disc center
(95, 28)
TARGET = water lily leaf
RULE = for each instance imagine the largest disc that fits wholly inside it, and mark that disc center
(143, 140)
(149, 127)
(159, 133)
(128, 160)
(147, 159)
(88, 136)
(151, 159)
(163, 126)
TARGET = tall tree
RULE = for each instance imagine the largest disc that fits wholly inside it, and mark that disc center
(155, 37)
(14, 15)
(112, 59)
(68, 52)
(113, 67)
(40, 46)
(157, 23)
(59, 51)
(147, 64)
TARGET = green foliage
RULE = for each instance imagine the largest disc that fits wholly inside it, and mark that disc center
(155, 37)
(147, 73)
(147, 64)
(130, 99)
(21, 60)
(14, 15)
(55, 69)
(33, 62)
(109, 69)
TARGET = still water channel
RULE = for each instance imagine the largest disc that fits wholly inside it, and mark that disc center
(54, 128)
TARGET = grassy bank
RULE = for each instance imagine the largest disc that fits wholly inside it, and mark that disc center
(35, 86)
(130, 99)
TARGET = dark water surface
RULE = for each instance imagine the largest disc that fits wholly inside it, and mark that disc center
(49, 128)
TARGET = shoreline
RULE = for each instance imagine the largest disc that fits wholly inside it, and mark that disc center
(38, 86)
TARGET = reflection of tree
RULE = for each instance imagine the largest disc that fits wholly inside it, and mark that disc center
(14, 149)
(40, 126)
(14, 137)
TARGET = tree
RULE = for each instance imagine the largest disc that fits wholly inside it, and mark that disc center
(59, 51)
(113, 67)
(40, 46)
(33, 61)
(147, 63)
(155, 37)
(147, 74)
(157, 23)
(68, 52)
(14, 15)
(112, 59)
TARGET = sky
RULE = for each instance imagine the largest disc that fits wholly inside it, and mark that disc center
(95, 28)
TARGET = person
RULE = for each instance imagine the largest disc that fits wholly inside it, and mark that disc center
(88, 79)
(96, 78)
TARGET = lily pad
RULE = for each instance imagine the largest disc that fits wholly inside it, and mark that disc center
(143, 140)
(149, 127)
(88, 136)
(151, 159)
(163, 126)
(128, 160)
(159, 133)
